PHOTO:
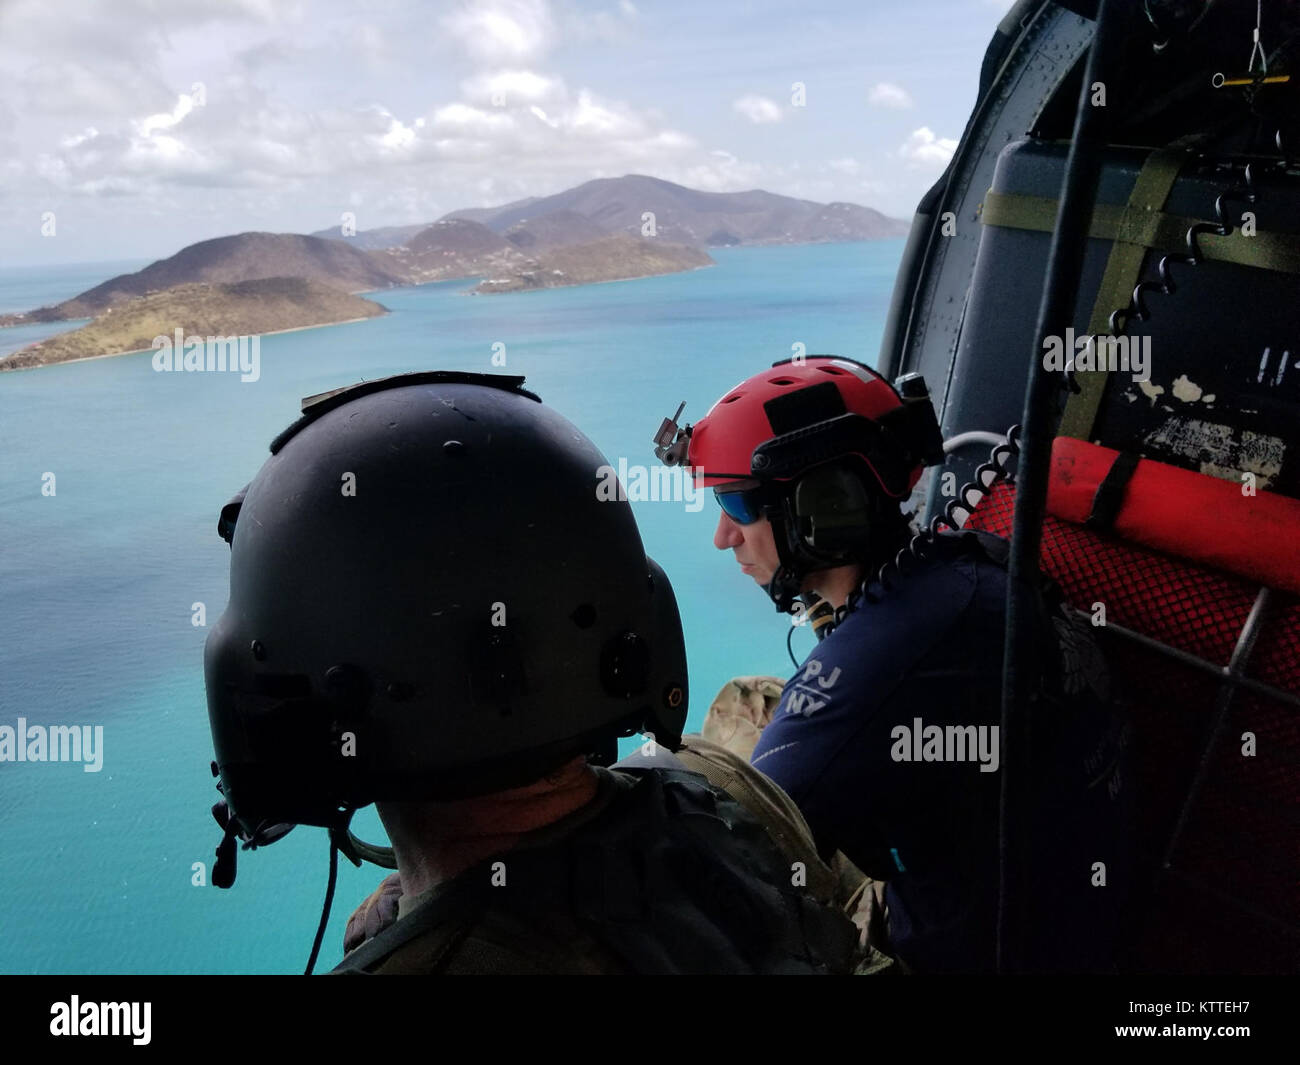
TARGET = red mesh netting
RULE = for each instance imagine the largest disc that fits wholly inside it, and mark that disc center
(1231, 899)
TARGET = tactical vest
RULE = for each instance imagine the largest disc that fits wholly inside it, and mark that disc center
(1081, 806)
(672, 876)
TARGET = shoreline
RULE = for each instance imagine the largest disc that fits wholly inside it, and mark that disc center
(473, 282)
(139, 351)
(582, 284)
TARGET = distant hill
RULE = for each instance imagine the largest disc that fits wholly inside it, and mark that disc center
(707, 219)
(396, 236)
(563, 248)
(243, 257)
(615, 257)
(554, 230)
(597, 231)
(373, 239)
(849, 221)
(694, 217)
(263, 305)
(452, 248)
(482, 214)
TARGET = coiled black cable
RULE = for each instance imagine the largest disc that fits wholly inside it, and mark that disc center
(920, 546)
(1243, 191)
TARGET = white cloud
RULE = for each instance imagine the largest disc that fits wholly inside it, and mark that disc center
(887, 94)
(507, 88)
(503, 30)
(282, 141)
(543, 117)
(576, 21)
(719, 172)
(758, 109)
(399, 136)
(59, 89)
(147, 126)
(594, 118)
(245, 137)
(923, 148)
(463, 119)
(76, 139)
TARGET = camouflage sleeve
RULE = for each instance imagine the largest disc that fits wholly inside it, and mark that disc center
(840, 883)
(374, 915)
(740, 712)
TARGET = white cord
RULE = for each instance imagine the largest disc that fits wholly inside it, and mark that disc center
(1259, 48)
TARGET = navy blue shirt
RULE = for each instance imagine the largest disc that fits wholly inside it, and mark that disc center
(872, 741)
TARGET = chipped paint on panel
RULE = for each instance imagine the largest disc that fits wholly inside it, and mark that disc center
(1152, 392)
(1186, 389)
(1220, 450)
(1262, 454)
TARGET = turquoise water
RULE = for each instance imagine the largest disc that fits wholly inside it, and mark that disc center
(97, 582)
(25, 289)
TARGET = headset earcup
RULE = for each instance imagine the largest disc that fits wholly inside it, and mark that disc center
(833, 512)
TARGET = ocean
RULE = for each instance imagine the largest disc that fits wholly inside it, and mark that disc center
(99, 580)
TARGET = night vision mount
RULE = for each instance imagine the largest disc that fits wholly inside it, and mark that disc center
(900, 439)
(671, 441)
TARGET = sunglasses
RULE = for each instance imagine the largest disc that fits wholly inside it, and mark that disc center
(744, 506)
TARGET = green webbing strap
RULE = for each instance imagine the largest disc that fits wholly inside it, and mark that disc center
(1159, 231)
(1123, 269)
(1134, 228)
(1016, 211)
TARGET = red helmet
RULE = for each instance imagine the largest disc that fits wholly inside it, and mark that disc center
(791, 429)
(775, 425)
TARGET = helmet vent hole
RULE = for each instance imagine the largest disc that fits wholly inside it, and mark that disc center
(783, 381)
(831, 370)
(584, 616)
(731, 399)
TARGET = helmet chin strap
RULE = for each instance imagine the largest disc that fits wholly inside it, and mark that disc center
(783, 589)
(796, 560)
(787, 580)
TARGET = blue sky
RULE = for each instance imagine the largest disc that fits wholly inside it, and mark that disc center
(144, 125)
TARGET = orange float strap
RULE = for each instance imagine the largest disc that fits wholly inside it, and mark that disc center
(1216, 523)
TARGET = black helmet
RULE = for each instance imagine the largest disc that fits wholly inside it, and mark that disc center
(429, 600)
